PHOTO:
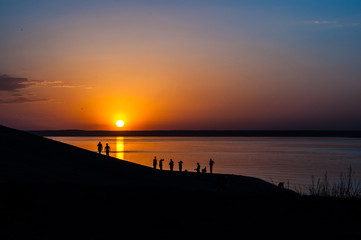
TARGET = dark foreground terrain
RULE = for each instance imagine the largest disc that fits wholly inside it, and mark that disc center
(50, 190)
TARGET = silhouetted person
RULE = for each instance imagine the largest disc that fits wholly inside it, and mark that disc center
(161, 164)
(107, 149)
(211, 163)
(204, 170)
(100, 147)
(198, 169)
(155, 163)
(171, 164)
(180, 164)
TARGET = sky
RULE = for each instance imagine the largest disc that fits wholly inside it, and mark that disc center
(165, 65)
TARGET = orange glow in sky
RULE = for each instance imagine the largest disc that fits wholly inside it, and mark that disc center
(189, 65)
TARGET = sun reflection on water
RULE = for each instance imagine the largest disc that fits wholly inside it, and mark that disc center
(119, 147)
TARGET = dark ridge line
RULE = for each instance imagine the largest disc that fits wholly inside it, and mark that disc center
(201, 133)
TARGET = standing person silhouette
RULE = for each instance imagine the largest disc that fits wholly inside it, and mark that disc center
(161, 164)
(107, 149)
(211, 163)
(100, 147)
(180, 164)
(198, 169)
(155, 163)
(171, 164)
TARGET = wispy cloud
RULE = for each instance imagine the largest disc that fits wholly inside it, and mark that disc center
(335, 23)
(13, 84)
(22, 99)
(67, 86)
(40, 83)
(16, 89)
(54, 84)
(324, 22)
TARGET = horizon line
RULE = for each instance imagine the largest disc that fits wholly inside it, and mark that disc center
(201, 133)
(198, 130)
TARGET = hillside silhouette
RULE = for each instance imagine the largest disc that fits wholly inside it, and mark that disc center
(51, 190)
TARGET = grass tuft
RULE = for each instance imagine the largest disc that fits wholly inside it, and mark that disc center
(344, 187)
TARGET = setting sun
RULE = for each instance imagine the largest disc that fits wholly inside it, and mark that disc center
(120, 123)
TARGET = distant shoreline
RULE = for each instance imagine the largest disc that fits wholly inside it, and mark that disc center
(199, 133)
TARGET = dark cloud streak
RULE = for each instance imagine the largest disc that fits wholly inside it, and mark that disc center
(13, 84)
(22, 100)
(14, 90)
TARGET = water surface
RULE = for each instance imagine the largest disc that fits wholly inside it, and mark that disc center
(292, 160)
